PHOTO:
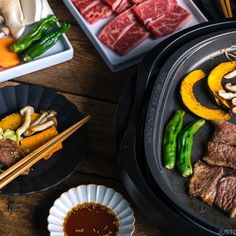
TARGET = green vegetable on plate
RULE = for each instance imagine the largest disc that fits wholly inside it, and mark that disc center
(34, 35)
(185, 143)
(45, 43)
(170, 139)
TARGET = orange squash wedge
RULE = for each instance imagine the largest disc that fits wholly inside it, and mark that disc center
(191, 102)
(215, 78)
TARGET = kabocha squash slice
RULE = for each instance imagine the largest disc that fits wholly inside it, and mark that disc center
(191, 102)
(14, 121)
(215, 80)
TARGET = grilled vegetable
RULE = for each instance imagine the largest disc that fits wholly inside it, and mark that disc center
(215, 80)
(185, 143)
(170, 139)
(45, 43)
(191, 102)
(35, 34)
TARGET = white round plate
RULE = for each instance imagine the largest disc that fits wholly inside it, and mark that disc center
(91, 193)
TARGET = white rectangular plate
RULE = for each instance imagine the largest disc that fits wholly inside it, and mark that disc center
(62, 51)
(113, 60)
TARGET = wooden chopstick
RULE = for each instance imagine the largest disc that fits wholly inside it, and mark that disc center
(228, 6)
(224, 8)
(21, 166)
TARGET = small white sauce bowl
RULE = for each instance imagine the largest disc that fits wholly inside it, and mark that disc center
(91, 193)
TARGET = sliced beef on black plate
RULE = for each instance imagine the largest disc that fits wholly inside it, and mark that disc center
(220, 154)
(226, 195)
(225, 132)
(204, 181)
(10, 152)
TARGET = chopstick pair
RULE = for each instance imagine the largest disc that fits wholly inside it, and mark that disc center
(226, 7)
(27, 162)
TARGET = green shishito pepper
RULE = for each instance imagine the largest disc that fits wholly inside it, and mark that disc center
(45, 43)
(170, 139)
(34, 35)
(185, 143)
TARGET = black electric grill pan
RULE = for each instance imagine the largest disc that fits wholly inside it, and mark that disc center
(205, 53)
(135, 172)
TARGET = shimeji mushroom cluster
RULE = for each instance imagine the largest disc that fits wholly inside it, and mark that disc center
(46, 119)
(229, 92)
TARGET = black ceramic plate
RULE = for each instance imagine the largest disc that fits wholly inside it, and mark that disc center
(205, 53)
(45, 174)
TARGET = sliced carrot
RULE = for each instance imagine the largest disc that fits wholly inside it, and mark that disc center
(33, 142)
(7, 58)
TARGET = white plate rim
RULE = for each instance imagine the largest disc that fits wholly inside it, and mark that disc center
(63, 198)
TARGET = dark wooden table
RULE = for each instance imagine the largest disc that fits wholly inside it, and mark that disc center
(87, 82)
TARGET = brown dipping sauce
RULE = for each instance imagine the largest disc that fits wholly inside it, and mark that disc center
(90, 219)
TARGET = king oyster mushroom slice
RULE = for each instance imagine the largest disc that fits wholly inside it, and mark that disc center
(4, 32)
(233, 101)
(230, 87)
(1, 19)
(233, 110)
(13, 16)
(230, 75)
(26, 112)
(226, 95)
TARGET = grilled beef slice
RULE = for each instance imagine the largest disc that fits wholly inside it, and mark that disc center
(220, 154)
(204, 181)
(226, 195)
(225, 132)
(10, 152)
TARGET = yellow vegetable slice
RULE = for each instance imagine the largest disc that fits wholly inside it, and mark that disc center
(215, 80)
(191, 102)
(14, 121)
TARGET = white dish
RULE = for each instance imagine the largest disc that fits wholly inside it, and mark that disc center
(62, 51)
(91, 193)
(113, 60)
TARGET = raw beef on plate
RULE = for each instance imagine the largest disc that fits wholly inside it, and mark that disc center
(150, 10)
(92, 10)
(84, 5)
(134, 36)
(169, 22)
(123, 33)
(113, 4)
(125, 4)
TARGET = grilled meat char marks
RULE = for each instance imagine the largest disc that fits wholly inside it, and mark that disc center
(220, 154)
(225, 132)
(204, 181)
(208, 181)
(226, 195)
(10, 153)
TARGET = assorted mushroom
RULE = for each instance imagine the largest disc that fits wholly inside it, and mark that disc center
(229, 93)
(26, 112)
(45, 120)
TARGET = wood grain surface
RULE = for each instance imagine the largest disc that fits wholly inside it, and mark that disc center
(95, 90)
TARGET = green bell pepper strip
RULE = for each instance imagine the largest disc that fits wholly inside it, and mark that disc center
(170, 139)
(45, 43)
(34, 35)
(185, 143)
